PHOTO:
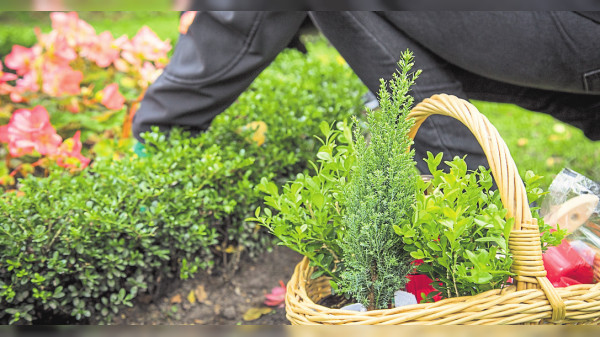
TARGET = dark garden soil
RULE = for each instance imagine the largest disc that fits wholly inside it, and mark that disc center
(217, 299)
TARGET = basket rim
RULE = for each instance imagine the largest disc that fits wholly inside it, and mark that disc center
(297, 296)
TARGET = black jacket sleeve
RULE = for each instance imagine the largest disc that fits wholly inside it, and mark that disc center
(218, 58)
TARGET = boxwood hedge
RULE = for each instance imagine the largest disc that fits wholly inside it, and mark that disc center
(77, 248)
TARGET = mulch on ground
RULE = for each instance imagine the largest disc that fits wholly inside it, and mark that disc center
(216, 299)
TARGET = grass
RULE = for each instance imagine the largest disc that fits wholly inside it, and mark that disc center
(17, 27)
(540, 143)
(537, 142)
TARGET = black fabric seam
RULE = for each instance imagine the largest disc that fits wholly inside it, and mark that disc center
(235, 61)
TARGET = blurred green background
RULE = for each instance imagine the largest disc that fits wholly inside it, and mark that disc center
(87, 5)
(537, 141)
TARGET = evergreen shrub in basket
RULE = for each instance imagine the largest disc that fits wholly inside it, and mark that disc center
(363, 217)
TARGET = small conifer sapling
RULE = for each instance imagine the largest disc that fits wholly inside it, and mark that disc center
(381, 193)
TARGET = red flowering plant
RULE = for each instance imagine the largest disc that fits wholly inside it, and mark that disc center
(276, 298)
(72, 84)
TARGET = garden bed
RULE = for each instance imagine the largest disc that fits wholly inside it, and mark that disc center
(227, 299)
(91, 220)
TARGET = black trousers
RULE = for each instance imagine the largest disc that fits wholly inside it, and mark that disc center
(543, 61)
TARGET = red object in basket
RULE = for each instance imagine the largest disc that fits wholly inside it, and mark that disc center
(565, 266)
(566, 281)
(420, 285)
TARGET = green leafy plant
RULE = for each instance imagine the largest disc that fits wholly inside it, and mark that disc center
(341, 216)
(459, 229)
(307, 215)
(380, 194)
(81, 246)
(310, 88)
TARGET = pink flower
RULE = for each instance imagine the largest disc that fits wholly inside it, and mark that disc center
(5, 77)
(4, 134)
(69, 25)
(122, 42)
(30, 130)
(61, 80)
(145, 45)
(112, 98)
(28, 83)
(149, 74)
(61, 51)
(20, 59)
(5, 88)
(122, 65)
(186, 20)
(101, 49)
(69, 153)
(277, 296)
(58, 49)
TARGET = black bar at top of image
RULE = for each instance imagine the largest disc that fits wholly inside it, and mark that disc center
(317, 5)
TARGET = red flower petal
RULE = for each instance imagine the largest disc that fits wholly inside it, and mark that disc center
(112, 98)
(30, 130)
(4, 133)
(276, 298)
(20, 59)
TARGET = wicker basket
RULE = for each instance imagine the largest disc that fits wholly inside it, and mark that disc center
(532, 300)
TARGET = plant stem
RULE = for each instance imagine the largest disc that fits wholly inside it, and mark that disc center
(126, 132)
(453, 272)
(371, 292)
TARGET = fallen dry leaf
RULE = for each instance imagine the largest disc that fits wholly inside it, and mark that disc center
(550, 162)
(176, 299)
(198, 321)
(255, 313)
(191, 297)
(260, 129)
(522, 141)
(200, 294)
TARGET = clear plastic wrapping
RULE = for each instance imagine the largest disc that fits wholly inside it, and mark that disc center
(573, 202)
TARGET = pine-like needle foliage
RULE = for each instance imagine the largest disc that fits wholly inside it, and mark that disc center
(381, 194)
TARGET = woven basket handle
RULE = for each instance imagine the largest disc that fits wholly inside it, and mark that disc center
(504, 170)
(524, 241)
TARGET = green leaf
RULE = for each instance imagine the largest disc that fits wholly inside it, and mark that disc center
(324, 156)
(257, 212)
(325, 129)
(418, 255)
(334, 287)
(316, 274)
(434, 246)
(480, 277)
(318, 200)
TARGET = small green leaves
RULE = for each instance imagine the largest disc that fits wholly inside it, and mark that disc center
(460, 230)
(306, 216)
(325, 129)
(324, 156)
(112, 228)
